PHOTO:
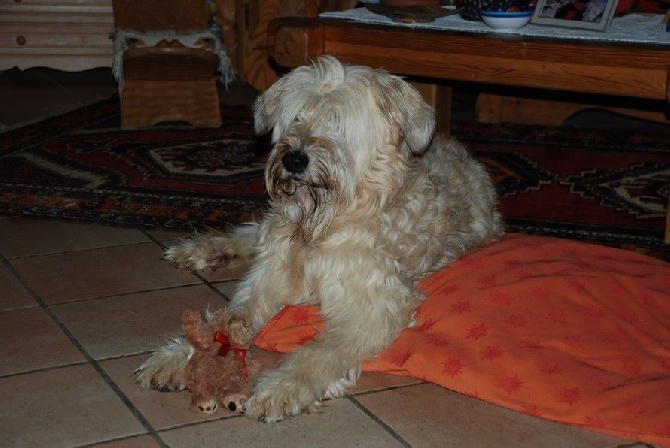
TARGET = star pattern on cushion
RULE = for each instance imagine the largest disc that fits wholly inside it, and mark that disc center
(553, 328)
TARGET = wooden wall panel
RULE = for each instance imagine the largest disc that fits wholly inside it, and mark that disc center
(151, 15)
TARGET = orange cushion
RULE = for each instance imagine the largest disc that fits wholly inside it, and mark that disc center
(567, 331)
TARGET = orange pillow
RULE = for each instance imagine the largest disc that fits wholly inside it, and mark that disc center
(563, 330)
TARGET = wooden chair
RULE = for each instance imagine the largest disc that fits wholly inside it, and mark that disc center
(168, 81)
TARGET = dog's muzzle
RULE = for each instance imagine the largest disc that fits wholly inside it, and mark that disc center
(295, 162)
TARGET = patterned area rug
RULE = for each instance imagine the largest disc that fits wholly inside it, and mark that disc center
(604, 187)
(609, 188)
(82, 166)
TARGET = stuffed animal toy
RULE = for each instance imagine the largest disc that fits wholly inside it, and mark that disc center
(225, 364)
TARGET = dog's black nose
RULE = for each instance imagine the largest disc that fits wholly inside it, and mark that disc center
(295, 161)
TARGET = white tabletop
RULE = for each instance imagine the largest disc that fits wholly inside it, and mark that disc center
(631, 28)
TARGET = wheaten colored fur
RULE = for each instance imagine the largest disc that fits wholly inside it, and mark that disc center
(367, 204)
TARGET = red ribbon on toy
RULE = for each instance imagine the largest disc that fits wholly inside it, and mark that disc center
(226, 347)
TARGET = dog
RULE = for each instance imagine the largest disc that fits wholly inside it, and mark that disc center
(364, 203)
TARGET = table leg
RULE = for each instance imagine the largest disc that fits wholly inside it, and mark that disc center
(667, 211)
(667, 222)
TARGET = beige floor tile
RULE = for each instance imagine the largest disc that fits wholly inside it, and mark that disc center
(21, 237)
(169, 237)
(62, 407)
(341, 424)
(29, 340)
(427, 415)
(133, 323)
(161, 410)
(14, 294)
(100, 272)
(227, 288)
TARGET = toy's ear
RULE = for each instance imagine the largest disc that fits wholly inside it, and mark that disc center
(236, 326)
(194, 329)
(240, 331)
(218, 320)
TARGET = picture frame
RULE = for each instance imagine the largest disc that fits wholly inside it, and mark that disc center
(584, 14)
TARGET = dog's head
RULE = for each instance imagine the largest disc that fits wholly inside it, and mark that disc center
(342, 137)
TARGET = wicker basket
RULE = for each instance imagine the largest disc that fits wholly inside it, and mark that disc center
(169, 84)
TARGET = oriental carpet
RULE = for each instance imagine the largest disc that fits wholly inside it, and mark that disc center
(605, 187)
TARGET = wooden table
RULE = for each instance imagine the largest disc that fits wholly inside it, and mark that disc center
(618, 69)
(640, 71)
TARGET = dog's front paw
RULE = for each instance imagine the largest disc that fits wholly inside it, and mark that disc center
(201, 254)
(278, 396)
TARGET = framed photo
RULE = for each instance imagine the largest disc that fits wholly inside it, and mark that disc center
(586, 14)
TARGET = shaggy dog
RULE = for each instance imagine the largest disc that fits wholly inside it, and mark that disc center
(364, 203)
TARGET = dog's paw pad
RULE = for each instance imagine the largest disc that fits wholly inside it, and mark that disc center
(207, 406)
(236, 403)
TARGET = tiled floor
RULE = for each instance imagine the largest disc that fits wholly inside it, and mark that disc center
(82, 305)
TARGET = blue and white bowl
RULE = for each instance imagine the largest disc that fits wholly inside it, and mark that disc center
(506, 20)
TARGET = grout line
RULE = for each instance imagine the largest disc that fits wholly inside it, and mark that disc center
(90, 360)
(77, 363)
(45, 369)
(201, 422)
(384, 389)
(18, 307)
(117, 439)
(379, 421)
(129, 293)
(83, 249)
(211, 286)
(148, 234)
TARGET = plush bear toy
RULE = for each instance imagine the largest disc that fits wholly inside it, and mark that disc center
(225, 364)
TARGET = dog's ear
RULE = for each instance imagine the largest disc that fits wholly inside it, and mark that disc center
(280, 101)
(218, 320)
(265, 109)
(195, 331)
(407, 110)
